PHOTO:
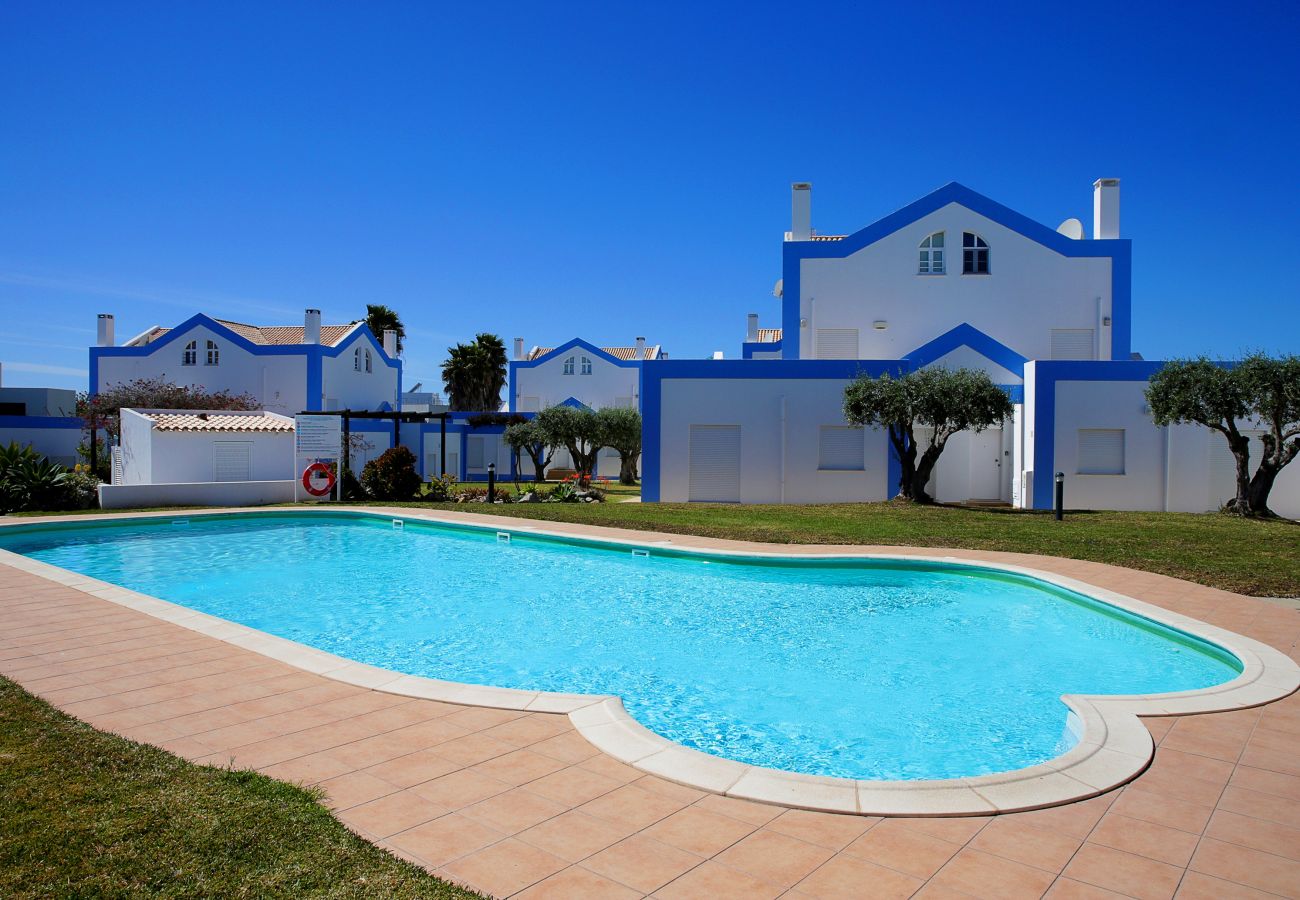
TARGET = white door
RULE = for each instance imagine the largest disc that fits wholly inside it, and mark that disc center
(714, 464)
(232, 461)
(986, 465)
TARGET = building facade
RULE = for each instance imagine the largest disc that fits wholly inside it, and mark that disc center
(578, 371)
(958, 280)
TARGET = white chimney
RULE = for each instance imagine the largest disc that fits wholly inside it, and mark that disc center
(640, 348)
(519, 348)
(1105, 208)
(104, 334)
(311, 326)
(717, 354)
(801, 211)
(390, 343)
(751, 330)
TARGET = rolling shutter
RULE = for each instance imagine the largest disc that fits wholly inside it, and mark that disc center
(841, 448)
(837, 343)
(715, 464)
(1072, 343)
(1101, 451)
(474, 453)
(232, 461)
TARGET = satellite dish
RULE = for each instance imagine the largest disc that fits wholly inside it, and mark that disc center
(779, 289)
(1071, 228)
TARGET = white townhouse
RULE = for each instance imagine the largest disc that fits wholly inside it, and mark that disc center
(287, 368)
(954, 279)
(578, 373)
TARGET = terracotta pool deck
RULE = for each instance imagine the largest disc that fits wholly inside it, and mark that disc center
(518, 804)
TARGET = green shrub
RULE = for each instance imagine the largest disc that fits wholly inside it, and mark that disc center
(29, 481)
(438, 490)
(81, 488)
(392, 476)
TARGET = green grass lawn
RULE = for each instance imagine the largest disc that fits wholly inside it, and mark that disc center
(89, 814)
(1260, 558)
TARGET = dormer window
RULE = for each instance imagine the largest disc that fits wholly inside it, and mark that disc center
(214, 355)
(586, 366)
(931, 255)
(568, 365)
(974, 254)
(191, 355)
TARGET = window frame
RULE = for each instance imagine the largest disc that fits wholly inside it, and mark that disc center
(569, 363)
(213, 356)
(970, 255)
(190, 355)
(585, 365)
(926, 252)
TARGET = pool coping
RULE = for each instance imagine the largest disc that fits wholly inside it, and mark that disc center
(1114, 746)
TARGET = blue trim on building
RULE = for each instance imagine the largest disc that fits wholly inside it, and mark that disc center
(1047, 374)
(967, 335)
(574, 344)
(575, 403)
(41, 422)
(1118, 250)
(749, 348)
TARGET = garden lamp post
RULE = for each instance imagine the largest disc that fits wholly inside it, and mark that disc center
(1060, 496)
(492, 482)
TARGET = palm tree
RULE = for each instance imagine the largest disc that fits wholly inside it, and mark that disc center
(475, 373)
(380, 318)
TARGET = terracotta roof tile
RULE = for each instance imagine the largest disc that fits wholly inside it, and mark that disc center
(259, 422)
(769, 335)
(616, 352)
(269, 335)
(828, 237)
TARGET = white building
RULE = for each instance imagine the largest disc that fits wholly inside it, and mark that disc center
(207, 457)
(286, 368)
(957, 280)
(595, 377)
(43, 419)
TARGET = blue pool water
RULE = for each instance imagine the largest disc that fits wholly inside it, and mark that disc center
(863, 670)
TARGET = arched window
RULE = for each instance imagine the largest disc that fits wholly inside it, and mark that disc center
(214, 355)
(932, 255)
(367, 360)
(568, 366)
(361, 360)
(356, 360)
(191, 355)
(586, 366)
(974, 254)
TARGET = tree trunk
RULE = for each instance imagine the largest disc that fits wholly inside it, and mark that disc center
(627, 468)
(1260, 486)
(921, 475)
(539, 463)
(905, 449)
(1241, 504)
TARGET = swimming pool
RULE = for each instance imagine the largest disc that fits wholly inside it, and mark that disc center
(858, 669)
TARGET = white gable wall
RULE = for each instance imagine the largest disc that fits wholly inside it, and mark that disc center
(607, 385)
(1030, 290)
(346, 388)
(277, 382)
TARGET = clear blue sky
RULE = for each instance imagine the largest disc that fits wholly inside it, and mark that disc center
(607, 171)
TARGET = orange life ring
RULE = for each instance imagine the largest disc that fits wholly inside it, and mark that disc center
(314, 469)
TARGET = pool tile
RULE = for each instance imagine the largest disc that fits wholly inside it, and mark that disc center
(696, 830)
(577, 883)
(446, 838)
(519, 767)
(641, 863)
(569, 747)
(514, 811)
(1127, 873)
(574, 835)
(903, 849)
(461, 788)
(353, 789)
(824, 829)
(472, 748)
(504, 869)
(1069, 889)
(1158, 842)
(851, 878)
(1199, 886)
(391, 814)
(1042, 848)
(1244, 865)
(572, 785)
(409, 770)
(774, 857)
(717, 882)
(1258, 834)
(984, 875)
(631, 806)
(745, 810)
(1149, 807)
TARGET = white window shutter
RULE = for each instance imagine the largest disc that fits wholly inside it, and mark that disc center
(1101, 451)
(715, 464)
(1072, 343)
(837, 343)
(232, 461)
(841, 448)
(474, 453)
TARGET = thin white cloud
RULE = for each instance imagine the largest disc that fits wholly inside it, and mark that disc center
(43, 369)
(215, 304)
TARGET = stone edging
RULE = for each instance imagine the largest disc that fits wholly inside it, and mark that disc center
(1114, 746)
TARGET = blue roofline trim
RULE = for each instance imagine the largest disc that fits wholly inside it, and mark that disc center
(41, 422)
(749, 348)
(574, 344)
(1118, 250)
(967, 335)
(1047, 373)
(575, 403)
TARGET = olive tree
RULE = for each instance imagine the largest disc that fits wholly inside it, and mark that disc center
(944, 400)
(1260, 390)
(621, 426)
(579, 431)
(527, 437)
